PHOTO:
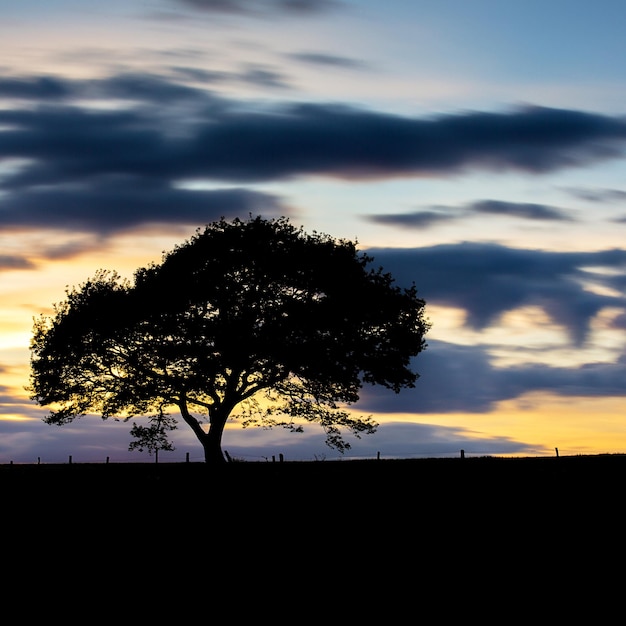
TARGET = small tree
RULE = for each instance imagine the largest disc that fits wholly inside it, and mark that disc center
(153, 437)
(255, 315)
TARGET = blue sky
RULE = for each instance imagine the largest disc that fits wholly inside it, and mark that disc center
(474, 148)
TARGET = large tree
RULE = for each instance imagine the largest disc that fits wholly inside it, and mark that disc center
(253, 315)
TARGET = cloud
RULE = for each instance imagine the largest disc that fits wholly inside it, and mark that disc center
(453, 378)
(427, 218)
(139, 87)
(34, 87)
(344, 142)
(106, 207)
(327, 60)
(256, 7)
(487, 280)
(406, 440)
(264, 77)
(90, 439)
(525, 210)
(417, 219)
(95, 161)
(231, 141)
(391, 440)
(597, 195)
(457, 378)
(11, 262)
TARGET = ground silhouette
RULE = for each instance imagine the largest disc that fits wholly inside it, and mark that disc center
(453, 490)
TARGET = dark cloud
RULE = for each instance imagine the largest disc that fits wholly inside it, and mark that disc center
(457, 378)
(487, 280)
(117, 205)
(137, 87)
(256, 7)
(416, 219)
(145, 88)
(525, 210)
(426, 218)
(351, 143)
(453, 378)
(228, 141)
(34, 87)
(89, 156)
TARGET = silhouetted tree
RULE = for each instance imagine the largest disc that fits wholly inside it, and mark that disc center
(153, 437)
(255, 315)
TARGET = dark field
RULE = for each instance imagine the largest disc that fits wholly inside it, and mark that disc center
(537, 489)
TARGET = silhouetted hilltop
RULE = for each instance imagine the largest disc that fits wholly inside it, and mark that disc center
(422, 487)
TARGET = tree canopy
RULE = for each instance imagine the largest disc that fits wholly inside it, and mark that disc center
(253, 319)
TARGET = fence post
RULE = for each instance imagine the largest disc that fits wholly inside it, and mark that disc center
(70, 460)
(462, 454)
(187, 457)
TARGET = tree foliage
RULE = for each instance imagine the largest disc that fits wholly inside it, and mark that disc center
(253, 315)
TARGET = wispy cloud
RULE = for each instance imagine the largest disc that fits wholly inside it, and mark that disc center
(328, 60)
(524, 210)
(256, 7)
(430, 217)
(12, 262)
(598, 195)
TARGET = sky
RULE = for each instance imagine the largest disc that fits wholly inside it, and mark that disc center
(474, 148)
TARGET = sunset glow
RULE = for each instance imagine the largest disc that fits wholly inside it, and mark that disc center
(487, 170)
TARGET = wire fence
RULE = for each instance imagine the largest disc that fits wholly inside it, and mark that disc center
(171, 457)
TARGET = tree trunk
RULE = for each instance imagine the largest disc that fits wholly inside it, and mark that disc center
(212, 444)
(212, 440)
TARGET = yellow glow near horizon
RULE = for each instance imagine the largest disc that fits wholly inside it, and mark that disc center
(585, 425)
